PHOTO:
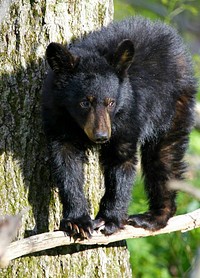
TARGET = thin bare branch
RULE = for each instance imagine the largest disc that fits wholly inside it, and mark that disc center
(9, 226)
(50, 240)
(187, 188)
(197, 116)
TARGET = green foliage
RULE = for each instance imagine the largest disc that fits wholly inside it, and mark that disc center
(122, 10)
(196, 61)
(195, 142)
(175, 7)
(169, 255)
(163, 9)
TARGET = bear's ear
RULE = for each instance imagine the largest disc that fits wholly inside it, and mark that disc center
(123, 56)
(60, 59)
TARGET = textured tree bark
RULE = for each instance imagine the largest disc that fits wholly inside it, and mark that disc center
(26, 28)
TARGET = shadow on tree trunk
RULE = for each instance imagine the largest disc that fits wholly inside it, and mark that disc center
(23, 140)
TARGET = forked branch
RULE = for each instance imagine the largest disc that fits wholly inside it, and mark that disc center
(50, 240)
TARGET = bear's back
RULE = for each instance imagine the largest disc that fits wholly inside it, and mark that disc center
(160, 54)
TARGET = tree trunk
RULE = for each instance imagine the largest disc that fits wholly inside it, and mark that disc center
(25, 180)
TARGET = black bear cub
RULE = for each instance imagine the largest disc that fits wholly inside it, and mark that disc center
(128, 85)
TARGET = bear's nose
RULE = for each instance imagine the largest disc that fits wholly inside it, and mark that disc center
(101, 136)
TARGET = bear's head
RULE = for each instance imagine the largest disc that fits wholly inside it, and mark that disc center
(93, 88)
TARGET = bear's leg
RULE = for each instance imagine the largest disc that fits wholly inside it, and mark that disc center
(159, 165)
(161, 162)
(67, 163)
(119, 173)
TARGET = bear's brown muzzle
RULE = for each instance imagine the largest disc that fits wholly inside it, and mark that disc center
(98, 125)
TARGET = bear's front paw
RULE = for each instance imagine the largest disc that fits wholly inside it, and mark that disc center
(81, 227)
(107, 226)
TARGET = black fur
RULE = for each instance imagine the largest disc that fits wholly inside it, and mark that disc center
(129, 83)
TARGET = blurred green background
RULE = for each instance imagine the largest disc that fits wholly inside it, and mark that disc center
(169, 255)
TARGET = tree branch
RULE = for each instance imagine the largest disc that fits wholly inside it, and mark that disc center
(197, 116)
(50, 240)
(185, 187)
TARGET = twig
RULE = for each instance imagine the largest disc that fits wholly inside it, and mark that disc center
(50, 240)
(9, 226)
(197, 116)
(195, 272)
(187, 188)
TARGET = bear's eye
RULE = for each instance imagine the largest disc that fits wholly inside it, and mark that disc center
(85, 104)
(111, 103)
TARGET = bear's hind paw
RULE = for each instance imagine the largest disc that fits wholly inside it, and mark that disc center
(149, 220)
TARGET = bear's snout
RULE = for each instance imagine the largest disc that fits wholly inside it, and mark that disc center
(101, 137)
(98, 125)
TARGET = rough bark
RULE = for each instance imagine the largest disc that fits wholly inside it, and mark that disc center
(26, 28)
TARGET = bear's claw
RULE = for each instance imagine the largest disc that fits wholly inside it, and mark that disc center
(107, 227)
(77, 228)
